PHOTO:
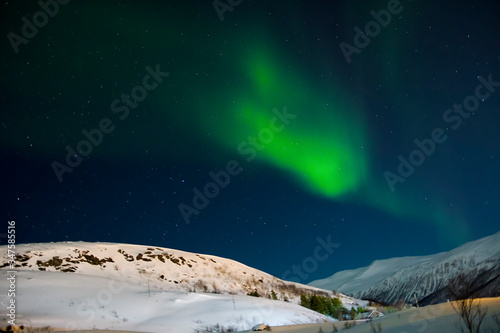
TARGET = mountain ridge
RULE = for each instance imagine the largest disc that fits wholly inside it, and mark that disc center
(428, 277)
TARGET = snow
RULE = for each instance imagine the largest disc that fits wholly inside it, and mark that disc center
(431, 319)
(71, 301)
(118, 293)
(351, 281)
(174, 270)
(148, 289)
(396, 278)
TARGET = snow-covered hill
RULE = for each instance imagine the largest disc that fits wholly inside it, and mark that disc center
(77, 301)
(427, 277)
(120, 286)
(161, 268)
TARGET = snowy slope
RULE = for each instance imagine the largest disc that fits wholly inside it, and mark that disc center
(161, 268)
(73, 301)
(120, 286)
(389, 280)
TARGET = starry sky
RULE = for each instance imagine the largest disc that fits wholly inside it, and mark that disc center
(253, 130)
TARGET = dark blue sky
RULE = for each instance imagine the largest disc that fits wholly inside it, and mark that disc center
(307, 119)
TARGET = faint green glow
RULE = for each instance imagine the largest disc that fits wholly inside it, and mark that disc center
(326, 149)
(321, 148)
(412, 207)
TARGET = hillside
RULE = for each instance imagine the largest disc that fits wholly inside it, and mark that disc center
(161, 268)
(119, 286)
(427, 277)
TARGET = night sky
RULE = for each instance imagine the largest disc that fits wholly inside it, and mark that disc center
(250, 130)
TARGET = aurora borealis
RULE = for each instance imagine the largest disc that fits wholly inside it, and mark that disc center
(268, 90)
(303, 148)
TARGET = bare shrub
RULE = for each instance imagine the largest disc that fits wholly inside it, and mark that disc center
(216, 328)
(200, 286)
(466, 305)
(400, 304)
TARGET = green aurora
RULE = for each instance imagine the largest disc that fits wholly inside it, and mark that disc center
(325, 149)
(329, 149)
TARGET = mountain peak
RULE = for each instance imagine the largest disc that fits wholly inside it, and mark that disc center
(389, 280)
